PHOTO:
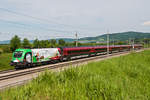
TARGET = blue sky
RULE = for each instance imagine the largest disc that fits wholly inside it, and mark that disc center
(46, 19)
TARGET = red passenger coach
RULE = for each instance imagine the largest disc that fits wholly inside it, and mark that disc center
(74, 51)
(68, 52)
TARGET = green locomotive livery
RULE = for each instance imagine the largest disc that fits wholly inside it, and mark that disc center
(29, 57)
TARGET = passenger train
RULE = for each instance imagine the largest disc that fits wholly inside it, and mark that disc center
(33, 57)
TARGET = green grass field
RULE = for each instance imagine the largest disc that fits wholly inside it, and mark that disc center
(5, 59)
(123, 78)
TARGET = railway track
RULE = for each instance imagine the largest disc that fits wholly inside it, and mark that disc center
(5, 75)
(15, 73)
(6, 71)
(13, 70)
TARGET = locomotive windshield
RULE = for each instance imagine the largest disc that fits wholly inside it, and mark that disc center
(17, 54)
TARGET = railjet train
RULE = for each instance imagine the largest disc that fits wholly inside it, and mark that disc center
(33, 57)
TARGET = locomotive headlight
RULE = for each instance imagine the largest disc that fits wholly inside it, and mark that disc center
(15, 61)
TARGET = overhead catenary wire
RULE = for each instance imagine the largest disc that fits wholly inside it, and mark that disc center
(36, 18)
(44, 20)
(27, 27)
(30, 26)
(41, 20)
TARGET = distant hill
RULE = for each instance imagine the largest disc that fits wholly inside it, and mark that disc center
(31, 41)
(102, 38)
(114, 36)
(118, 36)
(5, 42)
(66, 39)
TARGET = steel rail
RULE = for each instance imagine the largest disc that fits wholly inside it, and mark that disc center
(7, 71)
(18, 73)
(52, 66)
(13, 70)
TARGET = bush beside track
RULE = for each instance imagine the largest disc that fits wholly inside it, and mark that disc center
(126, 77)
(5, 60)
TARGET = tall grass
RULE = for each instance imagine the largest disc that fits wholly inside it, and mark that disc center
(122, 78)
(5, 59)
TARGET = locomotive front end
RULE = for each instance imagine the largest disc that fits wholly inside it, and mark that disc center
(20, 57)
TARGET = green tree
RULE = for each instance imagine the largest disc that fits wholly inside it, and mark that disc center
(120, 43)
(42, 44)
(26, 43)
(36, 43)
(1, 51)
(15, 43)
(47, 44)
(146, 42)
(61, 42)
(6, 49)
(53, 43)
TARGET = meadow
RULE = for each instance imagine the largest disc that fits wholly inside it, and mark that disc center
(122, 78)
(5, 59)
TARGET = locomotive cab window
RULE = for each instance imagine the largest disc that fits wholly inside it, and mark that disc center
(18, 54)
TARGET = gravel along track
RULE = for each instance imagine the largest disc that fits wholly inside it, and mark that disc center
(13, 78)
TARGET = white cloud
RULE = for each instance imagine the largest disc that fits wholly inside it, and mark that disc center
(147, 23)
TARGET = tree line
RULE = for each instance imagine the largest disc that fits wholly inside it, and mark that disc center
(16, 43)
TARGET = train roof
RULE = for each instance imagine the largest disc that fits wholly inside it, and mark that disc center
(97, 46)
(90, 47)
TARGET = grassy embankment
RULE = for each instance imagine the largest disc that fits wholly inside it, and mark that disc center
(122, 78)
(5, 59)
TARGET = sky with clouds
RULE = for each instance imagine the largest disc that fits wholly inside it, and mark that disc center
(46, 19)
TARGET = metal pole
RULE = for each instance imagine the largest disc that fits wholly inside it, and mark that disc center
(113, 42)
(129, 41)
(76, 39)
(133, 44)
(144, 43)
(108, 43)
